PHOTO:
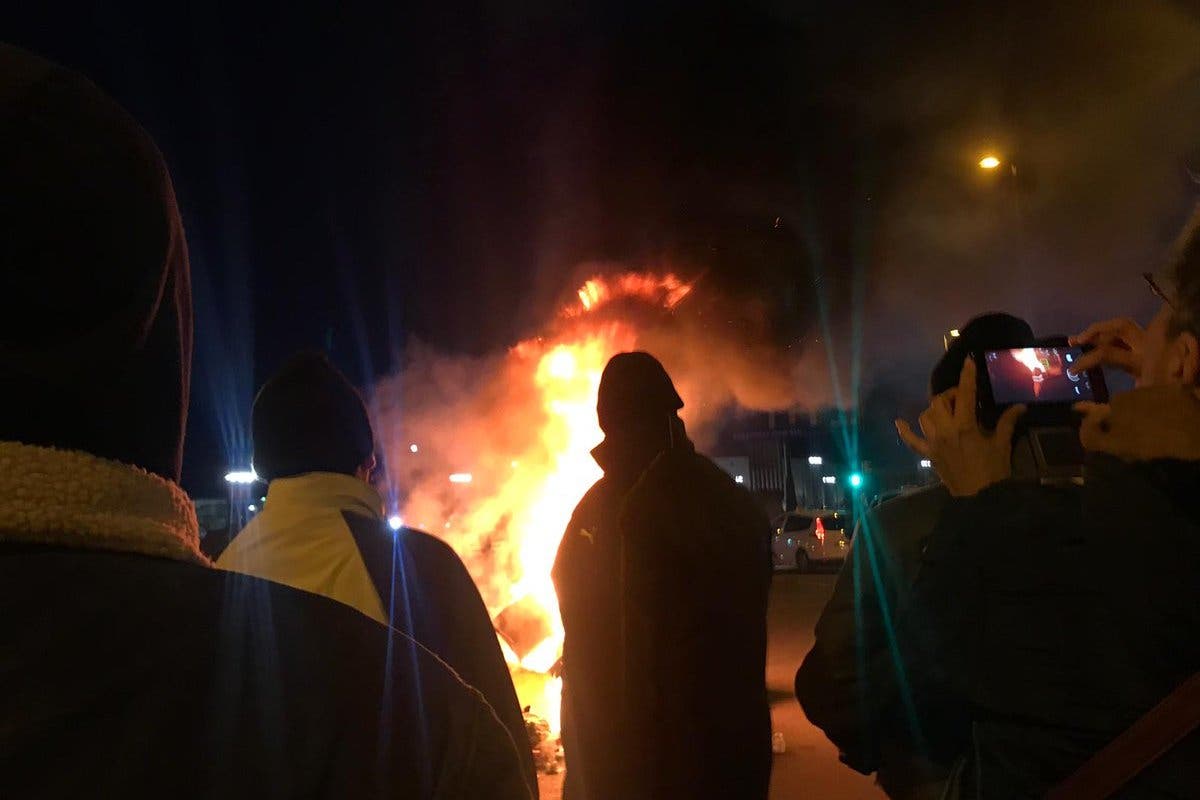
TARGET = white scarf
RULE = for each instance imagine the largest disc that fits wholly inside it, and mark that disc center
(75, 499)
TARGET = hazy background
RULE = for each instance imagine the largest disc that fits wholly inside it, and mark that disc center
(365, 178)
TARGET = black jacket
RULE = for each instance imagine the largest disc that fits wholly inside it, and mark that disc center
(429, 594)
(126, 675)
(662, 579)
(848, 682)
(1056, 617)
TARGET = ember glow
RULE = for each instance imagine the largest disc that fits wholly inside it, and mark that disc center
(666, 290)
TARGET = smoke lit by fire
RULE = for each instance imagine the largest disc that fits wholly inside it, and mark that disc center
(523, 423)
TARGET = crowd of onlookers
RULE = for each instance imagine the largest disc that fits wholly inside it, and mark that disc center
(1003, 634)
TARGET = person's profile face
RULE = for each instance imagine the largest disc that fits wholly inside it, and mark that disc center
(1158, 368)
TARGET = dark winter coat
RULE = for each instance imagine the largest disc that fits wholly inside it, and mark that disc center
(662, 578)
(847, 682)
(131, 667)
(1057, 617)
(325, 533)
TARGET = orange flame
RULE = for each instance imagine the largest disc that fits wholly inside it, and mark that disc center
(665, 290)
(520, 501)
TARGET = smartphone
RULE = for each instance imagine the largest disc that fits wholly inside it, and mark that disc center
(1039, 376)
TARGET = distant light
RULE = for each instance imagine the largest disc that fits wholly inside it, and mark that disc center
(739, 479)
(252, 507)
(816, 461)
(989, 162)
(856, 479)
(926, 463)
(241, 476)
(461, 477)
(395, 523)
(516, 464)
(412, 448)
(829, 479)
(262, 499)
(954, 334)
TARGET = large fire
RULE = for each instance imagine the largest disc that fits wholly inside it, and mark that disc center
(523, 490)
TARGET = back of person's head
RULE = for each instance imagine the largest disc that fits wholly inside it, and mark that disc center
(95, 301)
(635, 391)
(309, 418)
(991, 331)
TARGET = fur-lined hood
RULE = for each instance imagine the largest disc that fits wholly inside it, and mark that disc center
(75, 499)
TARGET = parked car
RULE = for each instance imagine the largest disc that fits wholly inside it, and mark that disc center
(806, 537)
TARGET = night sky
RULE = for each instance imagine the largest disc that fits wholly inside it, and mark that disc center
(360, 178)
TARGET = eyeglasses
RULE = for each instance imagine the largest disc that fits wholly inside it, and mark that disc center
(1158, 290)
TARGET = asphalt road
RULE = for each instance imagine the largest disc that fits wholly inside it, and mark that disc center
(810, 769)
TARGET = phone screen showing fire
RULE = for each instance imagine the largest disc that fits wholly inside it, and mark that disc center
(1036, 375)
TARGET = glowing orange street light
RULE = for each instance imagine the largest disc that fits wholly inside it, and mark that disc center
(989, 162)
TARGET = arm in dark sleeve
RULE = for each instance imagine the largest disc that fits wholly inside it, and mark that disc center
(493, 768)
(830, 684)
(456, 625)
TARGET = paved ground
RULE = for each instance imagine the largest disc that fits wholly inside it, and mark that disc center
(809, 768)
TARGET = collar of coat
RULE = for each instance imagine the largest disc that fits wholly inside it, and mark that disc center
(75, 499)
(323, 491)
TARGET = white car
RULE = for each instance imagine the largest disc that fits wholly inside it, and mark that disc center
(806, 537)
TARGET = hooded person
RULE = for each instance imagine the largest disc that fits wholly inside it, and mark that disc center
(662, 578)
(322, 529)
(845, 683)
(131, 666)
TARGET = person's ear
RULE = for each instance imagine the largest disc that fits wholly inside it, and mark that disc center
(1186, 357)
(365, 469)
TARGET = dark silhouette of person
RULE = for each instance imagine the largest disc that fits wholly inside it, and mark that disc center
(662, 579)
(323, 529)
(131, 666)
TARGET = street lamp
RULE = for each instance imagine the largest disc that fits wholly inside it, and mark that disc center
(989, 162)
(816, 461)
(241, 476)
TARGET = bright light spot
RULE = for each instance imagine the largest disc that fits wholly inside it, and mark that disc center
(412, 448)
(241, 476)
(828, 479)
(989, 162)
(461, 477)
(954, 334)
(516, 464)
(856, 479)
(926, 463)
(561, 364)
(252, 507)
(816, 461)
(395, 523)
(740, 479)
(262, 499)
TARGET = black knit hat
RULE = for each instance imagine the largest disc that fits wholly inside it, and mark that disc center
(634, 386)
(95, 300)
(993, 331)
(309, 418)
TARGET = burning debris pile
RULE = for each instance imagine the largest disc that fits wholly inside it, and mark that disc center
(494, 453)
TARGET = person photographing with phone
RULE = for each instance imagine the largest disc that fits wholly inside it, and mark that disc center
(1065, 620)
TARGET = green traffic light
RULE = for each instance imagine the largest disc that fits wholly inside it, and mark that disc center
(856, 480)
